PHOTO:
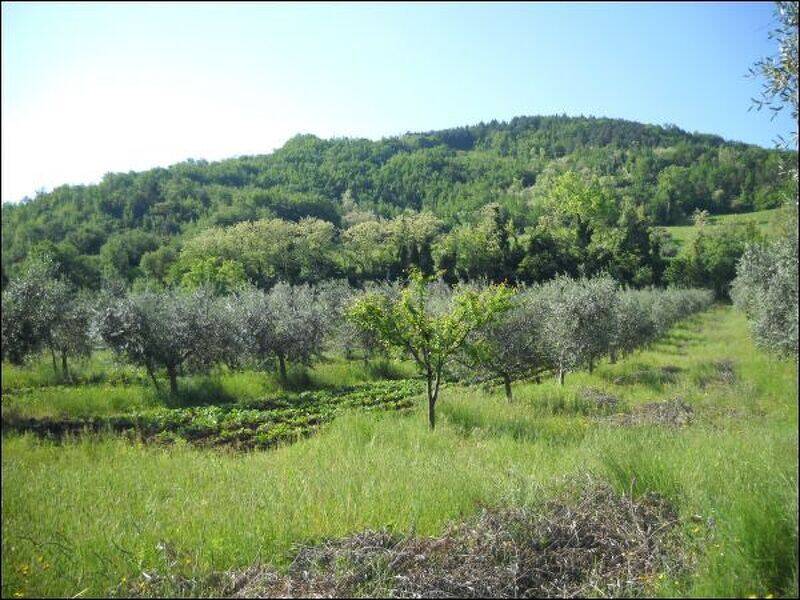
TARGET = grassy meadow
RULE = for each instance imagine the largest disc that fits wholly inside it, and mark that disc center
(768, 222)
(86, 515)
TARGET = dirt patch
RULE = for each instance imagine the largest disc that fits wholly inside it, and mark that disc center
(599, 399)
(672, 413)
(600, 544)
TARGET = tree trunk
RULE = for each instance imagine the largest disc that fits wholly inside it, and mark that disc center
(172, 373)
(55, 363)
(282, 366)
(591, 366)
(431, 401)
(153, 377)
(507, 385)
(613, 357)
(64, 367)
(561, 374)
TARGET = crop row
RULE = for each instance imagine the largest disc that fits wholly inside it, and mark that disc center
(255, 424)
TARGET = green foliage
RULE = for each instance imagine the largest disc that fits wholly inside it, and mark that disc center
(430, 327)
(766, 289)
(710, 260)
(480, 250)
(265, 252)
(222, 275)
(121, 254)
(582, 172)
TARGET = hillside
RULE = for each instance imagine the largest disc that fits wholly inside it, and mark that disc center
(108, 227)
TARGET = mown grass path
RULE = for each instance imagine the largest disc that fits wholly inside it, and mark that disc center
(90, 515)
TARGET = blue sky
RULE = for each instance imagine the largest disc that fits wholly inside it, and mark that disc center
(92, 88)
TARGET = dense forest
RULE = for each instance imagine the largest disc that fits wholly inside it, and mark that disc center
(521, 200)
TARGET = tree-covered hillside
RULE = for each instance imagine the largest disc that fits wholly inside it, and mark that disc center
(566, 195)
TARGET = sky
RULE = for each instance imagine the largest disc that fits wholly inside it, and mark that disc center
(92, 88)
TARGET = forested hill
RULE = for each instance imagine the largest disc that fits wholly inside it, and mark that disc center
(517, 166)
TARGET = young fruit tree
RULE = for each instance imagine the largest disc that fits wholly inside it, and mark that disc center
(510, 347)
(425, 324)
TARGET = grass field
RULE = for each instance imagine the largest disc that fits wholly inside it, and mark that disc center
(88, 515)
(767, 221)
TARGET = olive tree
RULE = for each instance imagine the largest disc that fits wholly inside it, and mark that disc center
(662, 308)
(510, 347)
(666, 310)
(169, 330)
(578, 322)
(634, 322)
(35, 308)
(71, 333)
(766, 287)
(429, 327)
(255, 323)
(301, 322)
(779, 72)
(348, 335)
(766, 290)
(288, 323)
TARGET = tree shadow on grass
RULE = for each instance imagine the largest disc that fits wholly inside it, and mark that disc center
(198, 392)
(554, 431)
(655, 378)
(679, 339)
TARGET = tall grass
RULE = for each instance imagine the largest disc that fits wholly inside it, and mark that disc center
(81, 516)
